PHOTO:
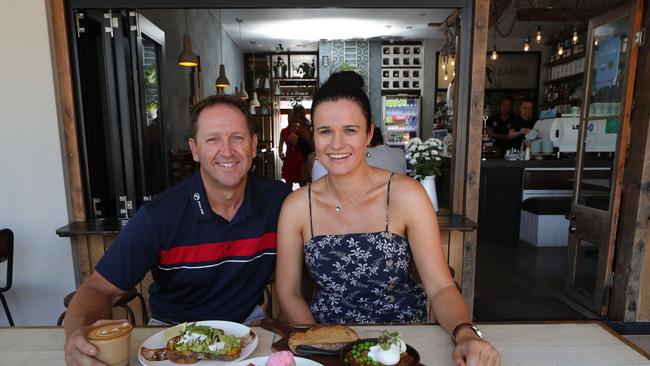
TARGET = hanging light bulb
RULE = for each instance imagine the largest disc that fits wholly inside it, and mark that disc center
(446, 77)
(243, 95)
(494, 56)
(560, 50)
(444, 65)
(222, 81)
(574, 39)
(453, 60)
(527, 44)
(538, 36)
(187, 58)
(596, 42)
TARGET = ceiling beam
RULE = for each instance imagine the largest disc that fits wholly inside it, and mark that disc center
(557, 14)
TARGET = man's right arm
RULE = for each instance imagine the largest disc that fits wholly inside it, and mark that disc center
(91, 303)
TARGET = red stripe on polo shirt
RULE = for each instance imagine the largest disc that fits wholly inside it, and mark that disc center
(211, 252)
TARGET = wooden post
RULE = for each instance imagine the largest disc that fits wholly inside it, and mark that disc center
(626, 301)
(67, 109)
(479, 33)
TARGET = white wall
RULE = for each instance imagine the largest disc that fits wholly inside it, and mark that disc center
(32, 184)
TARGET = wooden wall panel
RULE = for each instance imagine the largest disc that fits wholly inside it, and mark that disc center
(632, 238)
(66, 106)
(84, 266)
(475, 131)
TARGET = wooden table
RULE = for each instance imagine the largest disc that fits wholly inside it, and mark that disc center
(519, 344)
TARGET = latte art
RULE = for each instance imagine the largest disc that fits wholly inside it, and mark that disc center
(109, 331)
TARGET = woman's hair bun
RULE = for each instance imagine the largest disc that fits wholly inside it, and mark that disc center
(345, 79)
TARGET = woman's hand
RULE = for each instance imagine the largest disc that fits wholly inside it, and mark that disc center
(472, 351)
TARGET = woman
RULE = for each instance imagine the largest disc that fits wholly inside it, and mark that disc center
(358, 229)
(292, 160)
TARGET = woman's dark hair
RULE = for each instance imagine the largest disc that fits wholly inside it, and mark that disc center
(217, 99)
(344, 85)
(377, 138)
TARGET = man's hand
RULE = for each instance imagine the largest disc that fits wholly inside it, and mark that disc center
(80, 352)
(472, 351)
(524, 131)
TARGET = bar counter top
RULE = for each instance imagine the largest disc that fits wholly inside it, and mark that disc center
(547, 163)
(113, 227)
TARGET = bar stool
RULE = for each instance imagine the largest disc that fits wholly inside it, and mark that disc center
(122, 302)
(7, 254)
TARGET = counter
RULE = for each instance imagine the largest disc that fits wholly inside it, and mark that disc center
(501, 191)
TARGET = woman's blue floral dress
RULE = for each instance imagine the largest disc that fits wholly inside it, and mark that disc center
(363, 278)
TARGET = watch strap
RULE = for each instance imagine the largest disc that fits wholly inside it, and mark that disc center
(460, 326)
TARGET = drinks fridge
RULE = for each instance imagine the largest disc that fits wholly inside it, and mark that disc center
(401, 117)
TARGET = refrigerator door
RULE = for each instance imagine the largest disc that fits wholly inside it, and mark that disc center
(401, 118)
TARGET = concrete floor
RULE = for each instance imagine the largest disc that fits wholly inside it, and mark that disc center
(519, 281)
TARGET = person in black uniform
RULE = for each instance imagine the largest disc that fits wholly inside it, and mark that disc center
(499, 125)
(522, 125)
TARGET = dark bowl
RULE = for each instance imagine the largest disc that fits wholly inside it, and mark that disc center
(343, 353)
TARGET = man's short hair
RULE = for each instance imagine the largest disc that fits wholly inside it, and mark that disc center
(218, 99)
(507, 98)
(527, 100)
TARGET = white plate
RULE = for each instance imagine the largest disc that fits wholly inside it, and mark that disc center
(236, 329)
(261, 361)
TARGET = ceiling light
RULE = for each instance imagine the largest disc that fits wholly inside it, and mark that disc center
(574, 38)
(494, 55)
(254, 102)
(446, 78)
(187, 57)
(222, 81)
(527, 44)
(538, 36)
(560, 50)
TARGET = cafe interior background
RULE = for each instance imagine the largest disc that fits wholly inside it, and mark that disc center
(410, 51)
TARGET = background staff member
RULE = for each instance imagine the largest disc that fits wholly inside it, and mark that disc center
(499, 125)
(522, 125)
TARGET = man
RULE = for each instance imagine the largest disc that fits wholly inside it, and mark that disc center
(378, 155)
(522, 125)
(209, 242)
(499, 125)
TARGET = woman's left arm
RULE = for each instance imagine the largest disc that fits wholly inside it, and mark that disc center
(414, 210)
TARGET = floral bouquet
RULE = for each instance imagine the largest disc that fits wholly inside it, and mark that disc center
(425, 157)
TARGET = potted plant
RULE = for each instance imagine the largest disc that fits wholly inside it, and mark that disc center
(150, 74)
(265, 105)
(152, 110)
(308, 71)
(426, 159)
(279, 68)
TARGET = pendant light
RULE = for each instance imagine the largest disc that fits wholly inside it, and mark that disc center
(527, 44)
(242, 88)
(187, 58)
(254, 101)
(574, 38)
(222, 81)
(538, 36)
(494, 55)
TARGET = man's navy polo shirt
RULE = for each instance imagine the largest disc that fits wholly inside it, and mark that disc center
(203, 266)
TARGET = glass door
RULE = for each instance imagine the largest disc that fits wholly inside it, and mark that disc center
(152, 162)
(117, 66)
(604, 131)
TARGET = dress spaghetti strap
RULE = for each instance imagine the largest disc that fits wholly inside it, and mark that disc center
(311, 223)
(388, 200)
